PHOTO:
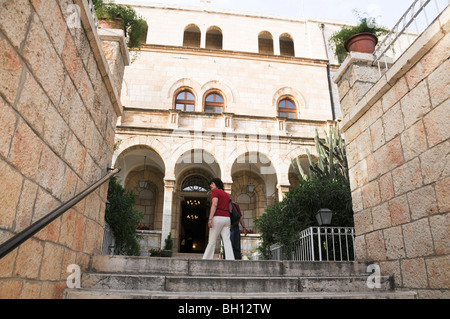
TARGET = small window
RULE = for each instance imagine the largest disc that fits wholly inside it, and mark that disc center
(265, 43)
(195, 183)
(185, 101)
(286, 45)
(287, 109)
(214, 38)
(214, 103)
(191, 37)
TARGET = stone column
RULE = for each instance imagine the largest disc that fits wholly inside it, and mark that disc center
(227, 187)
(276, 45)
(354, 79)
(282, 190)
(169, 185)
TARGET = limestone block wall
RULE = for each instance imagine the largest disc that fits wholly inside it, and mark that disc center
(397, 131)
(59, 108)
(250, 84)
(240, 30)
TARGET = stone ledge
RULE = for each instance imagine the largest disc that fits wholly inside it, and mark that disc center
(423, 44)
(96, 46)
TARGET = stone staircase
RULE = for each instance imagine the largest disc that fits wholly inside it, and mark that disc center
(189, 278)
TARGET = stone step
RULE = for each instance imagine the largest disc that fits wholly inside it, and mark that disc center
(146, 294)
(237, 268)
(187, 278)
(230, 284)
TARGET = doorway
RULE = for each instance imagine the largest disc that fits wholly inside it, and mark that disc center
(194, 226)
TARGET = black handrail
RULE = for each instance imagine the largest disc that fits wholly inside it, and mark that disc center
(28, 232)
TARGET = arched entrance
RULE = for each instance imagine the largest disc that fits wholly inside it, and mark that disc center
(195, 205)
(193, 171)
(143, 173)
(254, 185)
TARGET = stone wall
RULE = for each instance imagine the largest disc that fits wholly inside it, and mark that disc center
(397, 131)
(59, 107)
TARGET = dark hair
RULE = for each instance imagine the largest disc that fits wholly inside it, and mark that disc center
(218, 183)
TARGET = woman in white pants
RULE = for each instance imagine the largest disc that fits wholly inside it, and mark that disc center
(219, 220)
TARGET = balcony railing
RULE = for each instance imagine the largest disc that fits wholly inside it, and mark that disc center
(419, 16)
(319, 244)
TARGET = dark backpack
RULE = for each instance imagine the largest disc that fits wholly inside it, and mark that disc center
(234, 214)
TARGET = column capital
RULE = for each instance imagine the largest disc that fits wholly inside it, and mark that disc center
(169, 182)
(227, 187)
(282, 190)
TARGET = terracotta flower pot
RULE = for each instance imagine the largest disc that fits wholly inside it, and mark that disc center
(362, 42)
(109, 23)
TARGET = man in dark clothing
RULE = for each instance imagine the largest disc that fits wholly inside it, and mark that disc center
(235, 235)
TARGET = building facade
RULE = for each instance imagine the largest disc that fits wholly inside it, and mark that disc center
(219, 94)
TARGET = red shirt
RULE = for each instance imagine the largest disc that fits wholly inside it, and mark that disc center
(222, 204)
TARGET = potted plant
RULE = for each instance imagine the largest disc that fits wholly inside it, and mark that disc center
(360, 38)
(168, 245)
(117, 16)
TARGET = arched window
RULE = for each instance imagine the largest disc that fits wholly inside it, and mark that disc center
(191, 37)
(286, 45)
(287, 109)
(185, 101)
(195, 183)
(265, 43)
(214, 38)
(214, 103)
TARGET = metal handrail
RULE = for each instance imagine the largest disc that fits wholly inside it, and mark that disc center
(401, 27)
(28, 232)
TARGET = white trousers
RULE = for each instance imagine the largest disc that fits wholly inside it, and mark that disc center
(220, 226)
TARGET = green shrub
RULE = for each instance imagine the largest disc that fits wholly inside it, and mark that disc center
(123, 219)
(131, 23)
(327, 186)
(282, 223)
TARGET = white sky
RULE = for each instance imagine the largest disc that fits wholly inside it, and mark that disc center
(387, 12)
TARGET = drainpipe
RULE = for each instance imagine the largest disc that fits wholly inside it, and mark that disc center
(330, 88)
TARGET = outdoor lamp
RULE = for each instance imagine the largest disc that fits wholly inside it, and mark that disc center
(324, 216)
(143, 182)
(250, 188)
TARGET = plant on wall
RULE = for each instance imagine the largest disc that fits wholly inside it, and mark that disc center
(127, 18)
(366, 25)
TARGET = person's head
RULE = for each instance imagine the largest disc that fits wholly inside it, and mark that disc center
(216, 183)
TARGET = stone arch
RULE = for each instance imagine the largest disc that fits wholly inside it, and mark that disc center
(198, 157)
(293, 94)
(265, 43)
(261, 149)
(214, 38)
(143, 162)
(286, 45)
(220, 87)
(139, 141)
(188, 172)
(191, 36)
(296, 153)
(252, 205)
(179, 85)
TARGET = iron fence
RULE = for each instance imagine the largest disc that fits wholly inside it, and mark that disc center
(319, 244)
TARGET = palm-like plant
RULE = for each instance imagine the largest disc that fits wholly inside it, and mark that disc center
(332, 158)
